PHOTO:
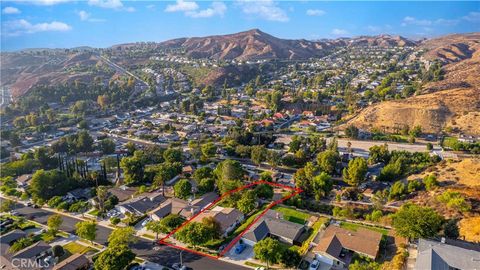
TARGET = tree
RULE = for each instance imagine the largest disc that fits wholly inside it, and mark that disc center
(430, 182)
(86, 230)
(212, 224)
(327, 161)
(414, 221)
(170, 222)
(114, 258)
(229, 170)
(21, 244)
(364, 265)
(322, 185)
(107, 146)
(247, 202)
(133, 168)
(414, 185)
(122, 236)
(258, 154)
(84, 141)
(267, 250)
(351, 131)
(46, 184)
(172, 155)
(429, 146)
(195, 233)
(6, 206)
(102, 196)
(183, 189)
(356, 171)
(57, 251)
(54, 222)
(397, 191)
(290, 258)
(264, 191)
(131, 148)
(273, 158)
(155, 226)
(103, 101)
(450, 229)
(202, 173)
(379, 153)
(209, 149)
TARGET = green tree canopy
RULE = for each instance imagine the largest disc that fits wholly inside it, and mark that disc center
(414, 221)
(355, 173)
(183, 189)
(86, 230)
(268, 250)
(327, 161)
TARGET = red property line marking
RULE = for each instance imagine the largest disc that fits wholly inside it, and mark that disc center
(238, 237)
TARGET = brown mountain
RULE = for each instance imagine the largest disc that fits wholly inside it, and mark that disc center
(249, 45)
(452, 102)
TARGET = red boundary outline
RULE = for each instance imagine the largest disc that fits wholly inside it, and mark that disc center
(237, 238)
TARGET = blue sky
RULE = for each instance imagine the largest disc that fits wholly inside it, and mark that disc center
(102, 23)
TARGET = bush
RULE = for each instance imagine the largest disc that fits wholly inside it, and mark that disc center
(115, 220)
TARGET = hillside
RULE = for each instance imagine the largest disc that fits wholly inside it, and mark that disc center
(451, 102)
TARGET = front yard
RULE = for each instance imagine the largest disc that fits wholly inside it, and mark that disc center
(354, 227)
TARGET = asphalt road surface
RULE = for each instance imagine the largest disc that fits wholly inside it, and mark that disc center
(143, 248)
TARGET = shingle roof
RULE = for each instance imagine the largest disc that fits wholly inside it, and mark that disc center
(74, 262)
(224, 216)
(170, 206)
(143, 204)
(32, 251)
(438, 255)
(363, 241)
(12, 236)
(276, 226)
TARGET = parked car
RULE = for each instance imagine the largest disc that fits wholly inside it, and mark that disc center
(314, 265)
(178, 266)
(144, 223)
(240, 248)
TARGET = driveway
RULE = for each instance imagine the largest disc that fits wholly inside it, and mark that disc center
(246, 254)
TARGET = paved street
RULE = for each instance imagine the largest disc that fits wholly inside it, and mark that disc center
(143, 248)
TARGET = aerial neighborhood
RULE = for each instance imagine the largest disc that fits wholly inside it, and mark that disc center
(241, 151)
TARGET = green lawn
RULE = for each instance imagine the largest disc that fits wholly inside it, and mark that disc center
(93, 212)
(292, 214)
(74, 247)
(355, 226)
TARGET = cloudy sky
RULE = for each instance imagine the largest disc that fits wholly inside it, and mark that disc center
(101, 23)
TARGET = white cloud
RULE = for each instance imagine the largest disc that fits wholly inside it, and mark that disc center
(11, 10)
(315, 12)
(339, 32)
(411, 20)
(151, 7)
(265, 9)
(183, 6)
(83, 15)
(19, 27)
(48, 2)
(217, 8)
(111, 4)
(379, 29)
(422, 22)
(472, 17)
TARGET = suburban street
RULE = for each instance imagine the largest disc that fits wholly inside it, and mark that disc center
(165, 255)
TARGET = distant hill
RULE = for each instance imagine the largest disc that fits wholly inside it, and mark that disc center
(452, 102)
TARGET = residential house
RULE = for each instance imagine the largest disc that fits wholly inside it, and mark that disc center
(22, 180)
(34, 254)
(170, 206)
(123, 193)
(447, 254)
(273, 225)
(336, 245)
(227, 218)
(141, 204)
(75, 262)
(9, 238)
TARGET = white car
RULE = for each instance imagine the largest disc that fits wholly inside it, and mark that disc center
(144, 223)
(314, 265)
